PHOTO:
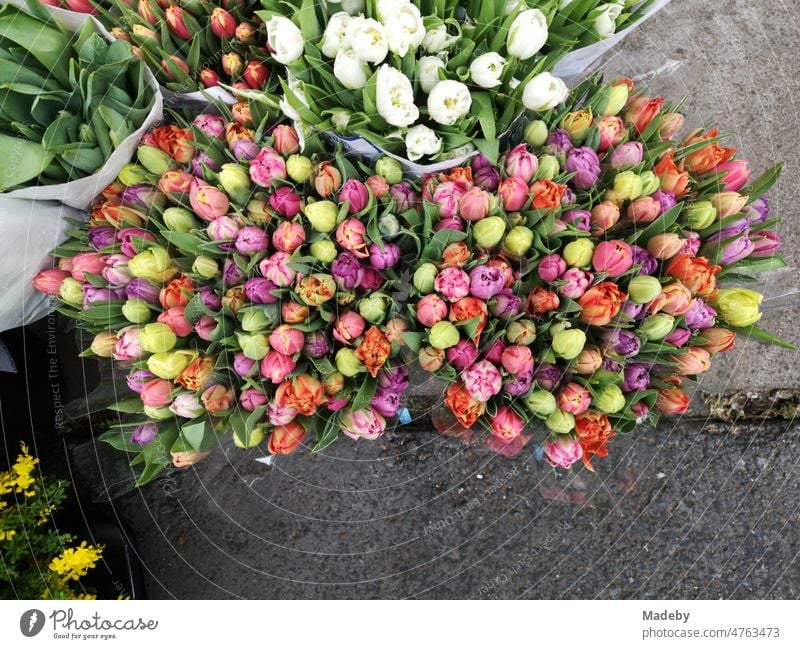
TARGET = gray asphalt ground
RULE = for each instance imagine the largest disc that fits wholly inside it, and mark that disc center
(695, 509)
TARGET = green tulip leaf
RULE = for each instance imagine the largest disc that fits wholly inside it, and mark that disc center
(20, 161)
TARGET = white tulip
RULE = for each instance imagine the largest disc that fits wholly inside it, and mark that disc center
(428, 70)
(394, 97)
(544, 92)
(296, 86)
(487, 69)
(335, 36)
(448, 101)
(405, 30)
(527, 34)
(511, 5)
(437, 39)
(350, 70)
(422, 141)
(285, 39)
(606, 23)
(367, 37)
(386, 10)
(353, 7)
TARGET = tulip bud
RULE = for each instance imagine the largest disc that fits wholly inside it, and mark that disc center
(232, 64)
(132, 174)
(390, 169)
(154, 159)
(643, 289)
(560, 422)
(256, 75)
(104, 343)
(568, 343)
(299, 168)
(518, 241)
(424, 277)
(669, 124)
(431, 359)
(205, 267)
(323, 250)
(208, 77)
(609, 399)
(589, 361)
(71, 290)
(157, 338)
(627, 185)
(700, 215)
(136, 311)
(222, 23)
(615, 98)
(179, 219)
(443, 335)
(235, 181)
(577, 123)
(536, 133)
(244, 32)
(665, 245)
(322, 215)
(488, 232)
(650, 183)
(657, 326)
(578, 253)
(541, 402)
(548, 168)
(521, 332)
(739, 306)
(728, 203)
(718, 339)
(373, 307)
(348, 363)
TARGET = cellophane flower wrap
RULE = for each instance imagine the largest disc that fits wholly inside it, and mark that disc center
(244, 288)
(429, 80)
(584, 284)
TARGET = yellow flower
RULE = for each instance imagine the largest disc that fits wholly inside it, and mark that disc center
(25, 462)
(7, 535)
(74, 563)
(83, 596)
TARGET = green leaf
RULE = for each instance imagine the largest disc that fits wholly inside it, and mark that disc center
(133, 405)
(21, 161)
(365, 393)
(120, 439)
(754, 333)
(763, 183)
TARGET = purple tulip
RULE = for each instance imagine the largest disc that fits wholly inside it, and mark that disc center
(487, 178)
(211, 300)
(691, 245)
(141, 289)
(347, 271)
(637, 377)
(580, 219)
(92, 294)
(372, 279)
(699, 315)
(736, 250)
(505, 304)
(137, 379)
(740, 227)
(611, 365)
(244, 366)
(486, 281)
(404, 196)
(231, 273)
(251, 240)
(634, 311)
(679, 337)
(765, 243)
(559, 143)
(201, 159)
(548, 376)
(259, 291)
(568, 197)
(623, 342)
(384, 257)
(394, 378)
(386, 402)
(143, 434)
(519, 384)
(462, 354)
(641, 257)
(757, 211)
(665, 199)
(141, 195)
(100, 238)
(584, 163)
(628, 154)
(316, 344)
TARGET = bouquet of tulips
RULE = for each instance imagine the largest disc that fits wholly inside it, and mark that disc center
(244, 288)
(68, 100)
(579, 287)
(194, 45)
(424, 79)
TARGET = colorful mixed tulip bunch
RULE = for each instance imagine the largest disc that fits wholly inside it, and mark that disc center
(244, 288)
(578, 288)
(194, 45)
(427, 79)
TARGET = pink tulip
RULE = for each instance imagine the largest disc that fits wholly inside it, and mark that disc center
(462, 354)
(482, 381)
(562, 452)
(222, 23)
(612, 257)
(356, 193)
(574, 398)
(175, 320)
(280, 414)
(208, 202)
(127, 347)
(275, 268)
(430, 310)
(474, 204)
(286, 202)
(517, 359)
(453, 283)
(205, 327)
(87, 262)
(224, 228)
(363, 424)
(737, 173)
(577, 282)
(49, 281)
(513, 193)
(287, 340)
(507, 424)
(209, 78)
(288, 236)
(447, 196)
(267, 166)
(521, 163)
(612, 130)
(276, 366)
(284, 137)
(350, 236)
(605, 216)
(551, 267)
(348, 326)
(157, 393)
(644, 209)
